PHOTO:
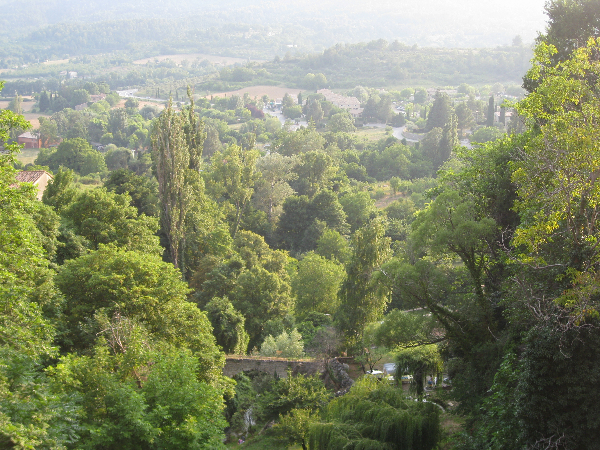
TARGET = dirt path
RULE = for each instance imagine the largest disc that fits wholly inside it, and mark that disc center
(387, 200)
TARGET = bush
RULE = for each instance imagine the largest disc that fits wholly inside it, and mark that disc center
(285, 345)
(378, 194)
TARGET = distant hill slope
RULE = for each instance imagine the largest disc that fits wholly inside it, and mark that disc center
(468, 23)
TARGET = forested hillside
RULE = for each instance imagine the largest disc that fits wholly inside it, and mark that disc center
(311, 26)
(173, 236)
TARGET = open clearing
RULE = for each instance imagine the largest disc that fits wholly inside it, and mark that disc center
(28, 155)
(214, 59)
(258, 91)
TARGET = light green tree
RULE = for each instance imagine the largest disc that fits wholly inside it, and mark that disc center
(76, 154)
(301, 141)
(316, 284)
(233, 175)
(137, 392)
(419, 361)
(104, 217)
(333, 246)
(60, 192)
(487, 134)
(273, 187)
(286, 345)
(228, 326)
(31, 415)
(16, 105)
(374, 415)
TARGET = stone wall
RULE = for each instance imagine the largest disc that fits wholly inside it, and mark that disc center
(234, 365)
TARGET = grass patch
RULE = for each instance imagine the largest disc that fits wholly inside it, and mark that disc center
(371, 133)
(28, 155)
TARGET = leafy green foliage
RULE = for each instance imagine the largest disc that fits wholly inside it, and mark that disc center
(228, 326)
(233, 175)
(60, 192)
(375, 416)
(137, 393)
(142, 190)
(103, 217)
(140, 287)
(419, 362)
(333, 246)
(316, 284)
(295, 425)
(177, 142)
(293, 392)
(75, 154)
(31, 415)
(400, 328)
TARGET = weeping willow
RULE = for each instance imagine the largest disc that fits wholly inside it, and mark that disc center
(374, 416)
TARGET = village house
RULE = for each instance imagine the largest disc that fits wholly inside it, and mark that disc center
(350, 104)
(29, 140)
(39, 178)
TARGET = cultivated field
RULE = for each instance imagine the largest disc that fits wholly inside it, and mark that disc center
(259, 91)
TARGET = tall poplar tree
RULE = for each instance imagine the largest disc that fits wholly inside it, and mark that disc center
(361, 299)
(177, 141)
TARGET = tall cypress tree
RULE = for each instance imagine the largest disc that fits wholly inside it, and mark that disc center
(44, 102)
(490, 112)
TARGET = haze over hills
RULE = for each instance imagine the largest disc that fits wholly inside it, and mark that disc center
(468, 23)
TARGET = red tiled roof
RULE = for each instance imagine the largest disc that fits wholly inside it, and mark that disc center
(30, 176)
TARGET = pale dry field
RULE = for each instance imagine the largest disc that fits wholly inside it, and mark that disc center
(178, 59)
(56, 61)
(27, 106)
(259, 91)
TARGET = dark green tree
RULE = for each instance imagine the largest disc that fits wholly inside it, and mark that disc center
(44, 102)
(228, 326)
(440, 111)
